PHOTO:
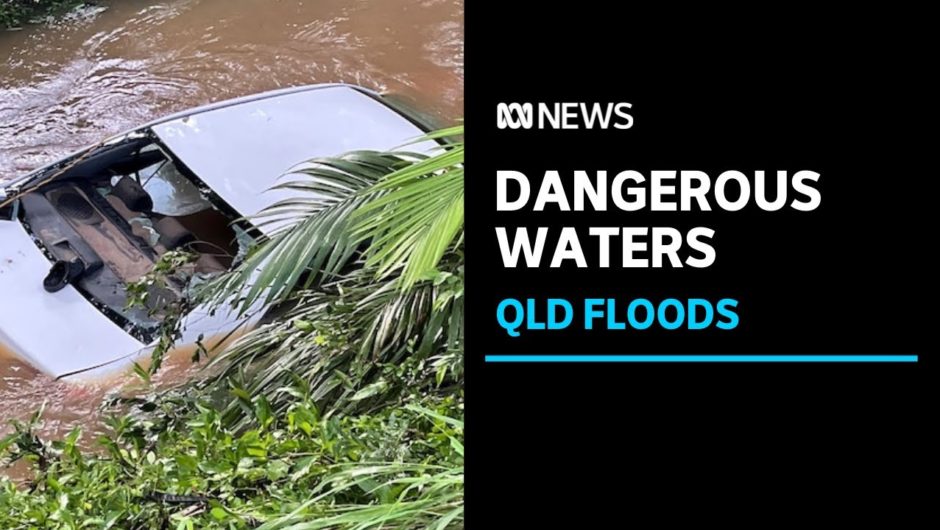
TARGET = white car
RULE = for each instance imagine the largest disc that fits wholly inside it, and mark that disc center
(74, 234)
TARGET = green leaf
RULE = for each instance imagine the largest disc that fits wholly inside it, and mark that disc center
(263, 411)
(370, 390)
(277, 469)
(218, 513)
(303, 325)
(141, 372)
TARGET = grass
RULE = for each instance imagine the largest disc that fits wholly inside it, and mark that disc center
(178, 466)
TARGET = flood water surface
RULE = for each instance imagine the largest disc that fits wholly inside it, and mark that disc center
(108, 68)
(66, 85)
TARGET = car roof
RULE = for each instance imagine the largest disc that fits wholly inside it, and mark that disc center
(240, 148)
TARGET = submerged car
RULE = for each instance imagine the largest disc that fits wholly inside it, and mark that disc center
(75, 234)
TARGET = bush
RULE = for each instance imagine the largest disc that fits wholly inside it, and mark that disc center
(15, 13)
(177, 466)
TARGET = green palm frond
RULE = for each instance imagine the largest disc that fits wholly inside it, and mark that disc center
(311, 235)
(415, 215)
(431, 497)
(350, 254)
(405, 209)
(341, 337)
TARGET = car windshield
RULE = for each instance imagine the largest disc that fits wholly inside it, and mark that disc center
(172, 193)
(116, 211)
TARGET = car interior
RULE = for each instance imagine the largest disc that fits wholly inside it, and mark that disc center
(111, 214)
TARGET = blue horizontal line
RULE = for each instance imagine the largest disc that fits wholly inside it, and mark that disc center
(701, 358)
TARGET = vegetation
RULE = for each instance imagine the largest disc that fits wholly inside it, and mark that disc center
(342, 410)
(359, 327)
(181, 468)
(14, 13)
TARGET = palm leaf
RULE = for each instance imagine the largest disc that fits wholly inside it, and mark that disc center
(414, 215)
(378, 325)
(310, 235)
(404, 211)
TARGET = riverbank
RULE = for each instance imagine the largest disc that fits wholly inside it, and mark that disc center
(15, 13)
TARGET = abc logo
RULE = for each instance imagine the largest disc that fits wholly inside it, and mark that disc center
(569, 115)
(514, 115)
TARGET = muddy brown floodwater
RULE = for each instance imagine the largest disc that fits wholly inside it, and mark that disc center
(105, 69)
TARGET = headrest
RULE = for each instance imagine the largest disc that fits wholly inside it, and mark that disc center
(133, 195)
